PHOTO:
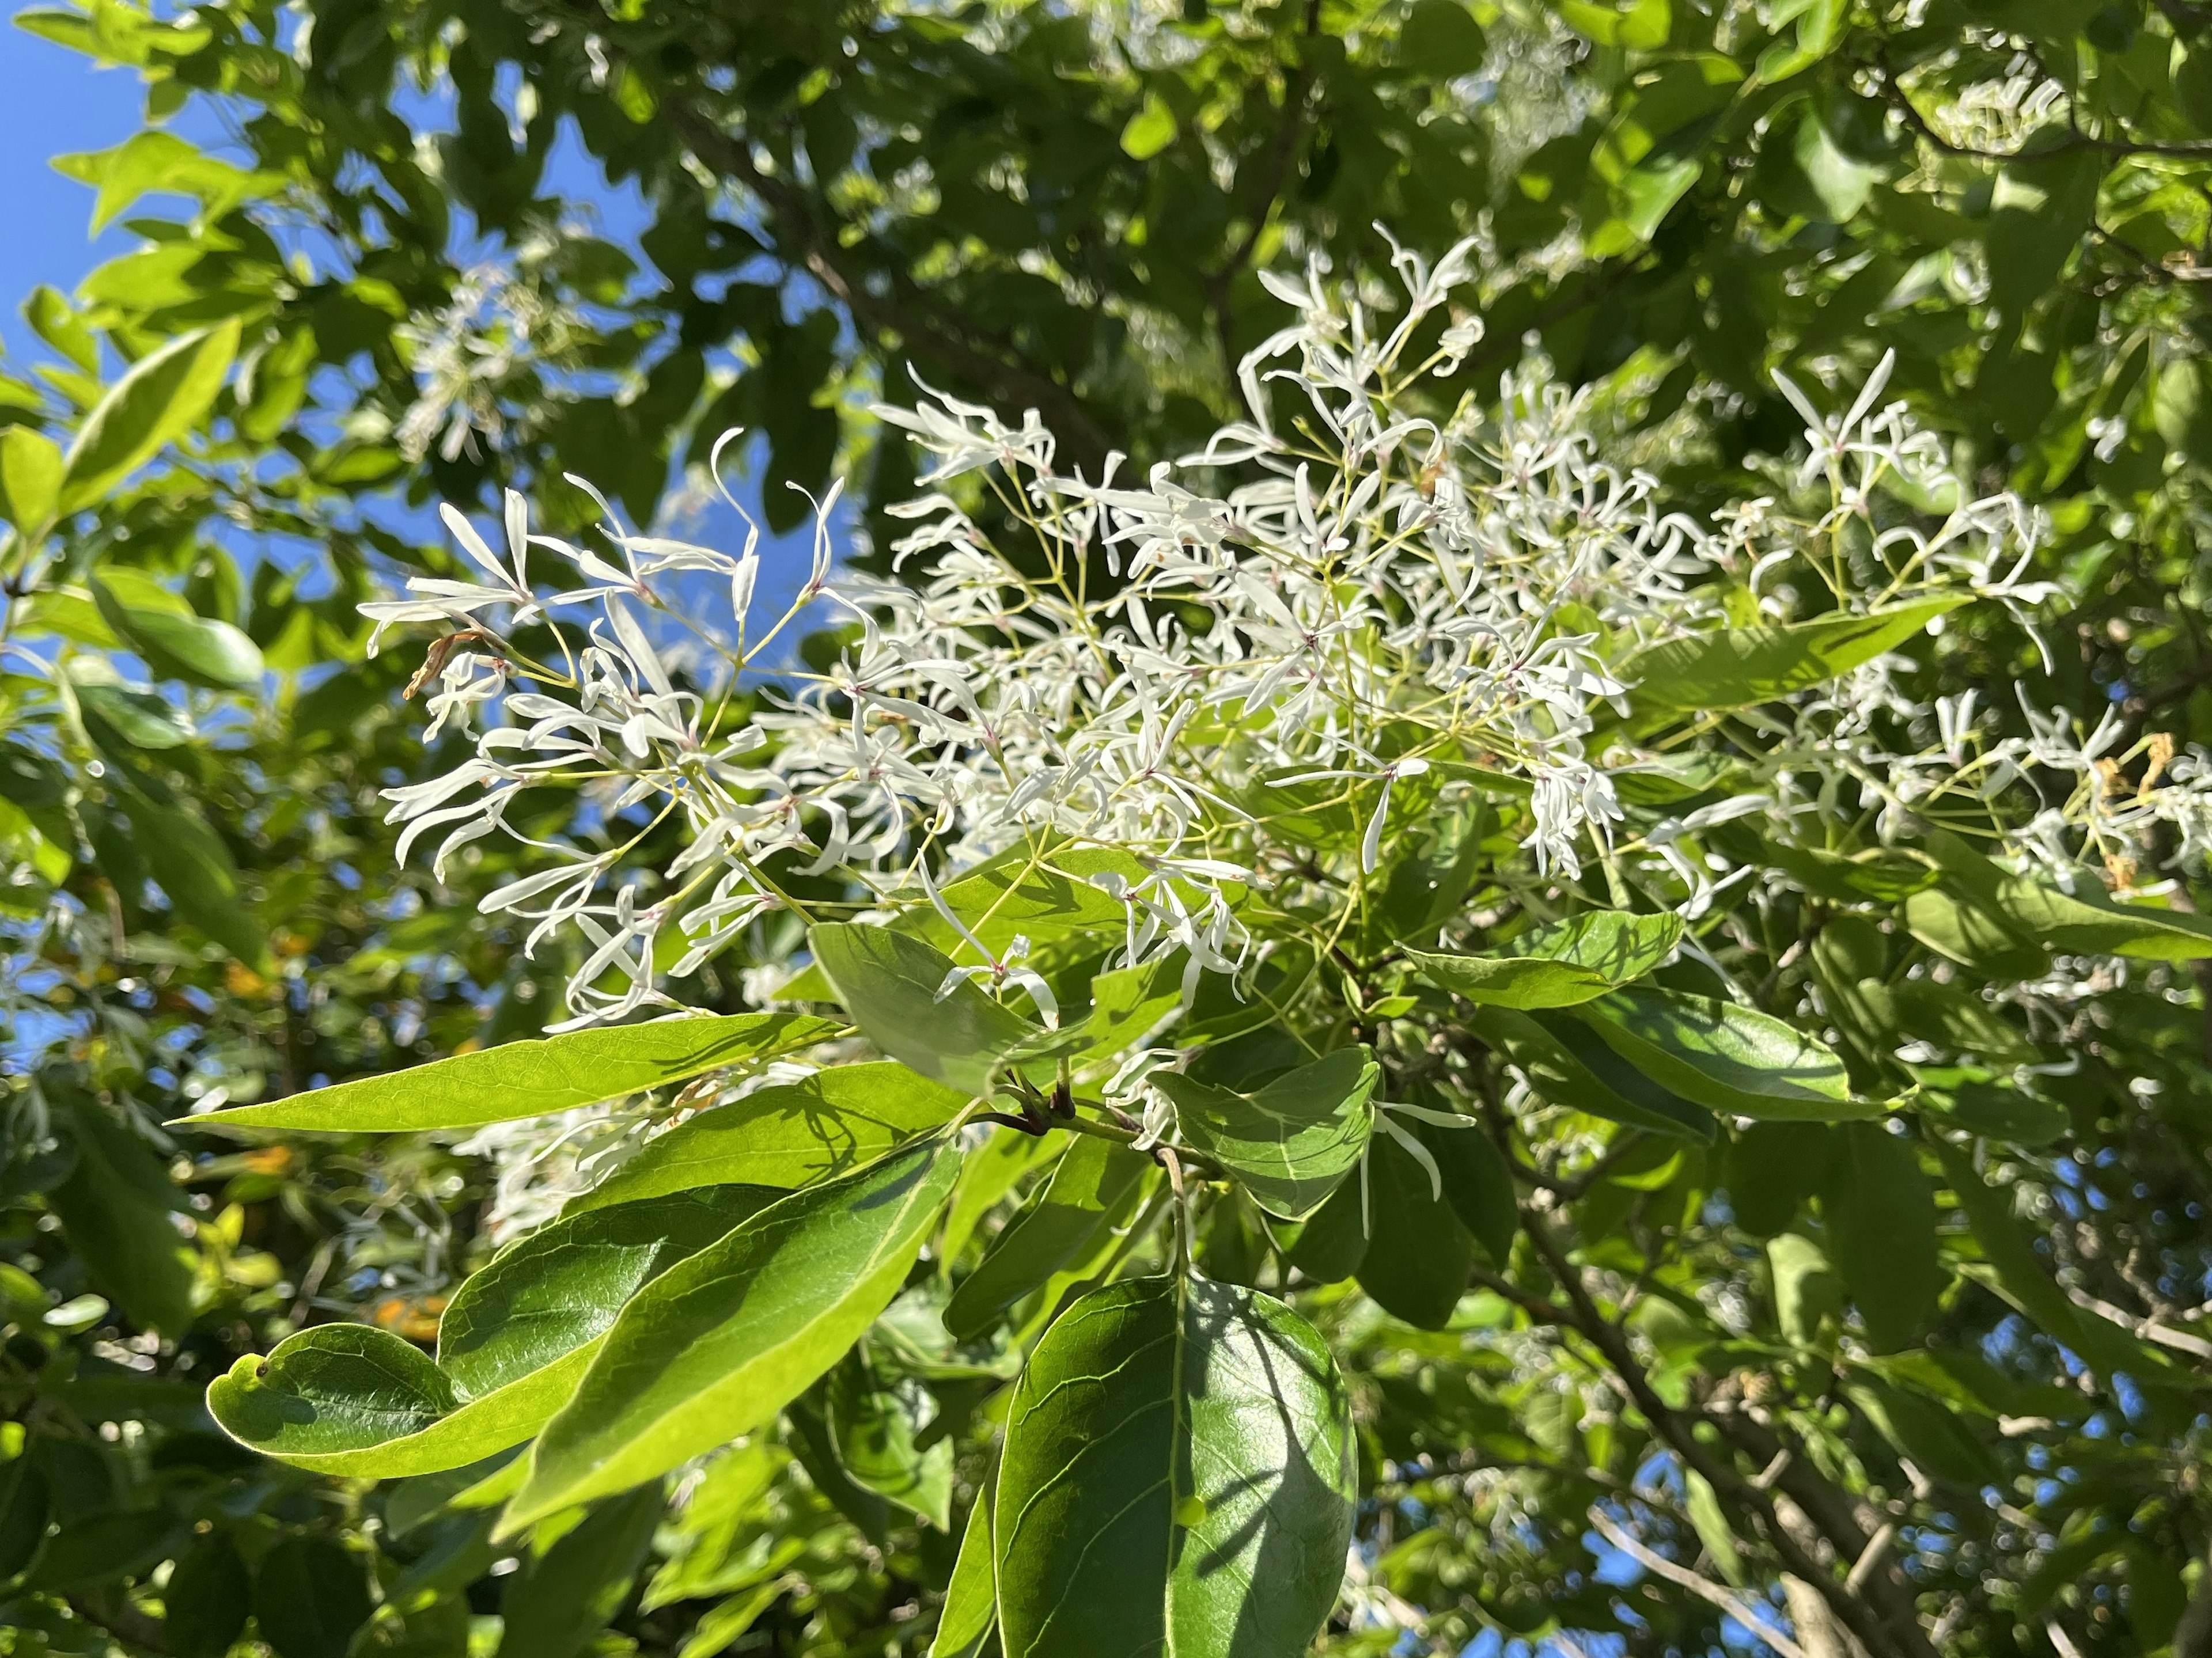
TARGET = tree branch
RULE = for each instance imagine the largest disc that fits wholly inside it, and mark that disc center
(909, 315)
(1736, 1605)
(1874, 1632)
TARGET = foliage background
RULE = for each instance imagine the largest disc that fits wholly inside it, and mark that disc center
(1665, 227)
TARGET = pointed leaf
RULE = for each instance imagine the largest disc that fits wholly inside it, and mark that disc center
(1569, 1069)
(1577, 961)
(785, 1137)
(180, 647)
(717, 1346)
(532, 1079)
(1292, 1141)
(30, 479)
(971, 1599)
(1743, 665)
(161, 399)
(1177, 1477)
(875, 1420)
(1881, 1215)
(1418, 1254)
(889, 984)
(1095, 1182)
(1727, 1058)
(351, 1398)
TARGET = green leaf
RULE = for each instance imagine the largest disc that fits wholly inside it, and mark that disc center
(1150, 131)
(1709, 1520)
(561, 1288)
(563, 1597)
(1579, 959)
(1881, 1215)
(1643, 27)
(1806, 1288)
(888, 984)
(534, 1078)
(785, 1137)
(1440, 41)
(1478, 1185)
(1971, 935)
(717, 1345)
(1803, 174)
(1567, 1068)
(1329, 1248)
(1177, 1477)
(1726, 1058)
(875, 1420)
(2088, 922)
(989, 1172)
(117, 1209)
(971, 1599)
(204, 1601)
(161, 399)
(309, 1597)
(193, 866)
(106, 1547)
(1743, 665)
(2002, 1113)
(1094, 1183)
(24, 1509)
(30, 479)
(1418, 1254)
(350, 1399)
(156, 161)
(186, 646)
(1292, 1141)
(715, 1632)
(1936, 1440)
(1769, 1170)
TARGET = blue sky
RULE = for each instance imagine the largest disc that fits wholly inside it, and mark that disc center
(54, 101)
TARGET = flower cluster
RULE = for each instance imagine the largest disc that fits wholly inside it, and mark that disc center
(1356, 600)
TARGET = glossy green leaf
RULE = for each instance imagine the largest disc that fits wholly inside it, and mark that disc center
(875, 1418)
(310, 1595)
(989, 1173)
(717, 1345)
(1178, 1476)
(715, 1632)
(971, 1599)
(534, 1078)
(1095, 1182)
(351, 1398)
(1568, 1068)
(1727, 1058)
(1329, 1248)
(161, 399)
(1971, 935)
(179, 646)
(1579, 959)
(890, 983)
(1739, 666)
(2088, 922)
(561, 1288)
(787, 1136)
(1291, 1141)
(563, 1597)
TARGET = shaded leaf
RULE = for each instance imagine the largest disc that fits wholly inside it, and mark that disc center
(1094, 1182)
(888, 984)
(1291, 1142)
(787, 1136)
(1726, 1058)
(309, 1597)
(161, 399)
